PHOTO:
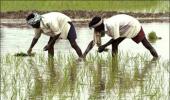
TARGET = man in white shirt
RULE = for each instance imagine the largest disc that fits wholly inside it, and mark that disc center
(118, 27)
(57, 26)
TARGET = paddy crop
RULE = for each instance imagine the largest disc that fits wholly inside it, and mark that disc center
(22, 54)
(152, 36)
(100, 77)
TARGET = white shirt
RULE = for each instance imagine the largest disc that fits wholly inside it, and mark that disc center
(122, 26)
(52, 24)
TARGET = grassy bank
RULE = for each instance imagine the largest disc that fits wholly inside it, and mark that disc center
(123, 6)
(98, 78)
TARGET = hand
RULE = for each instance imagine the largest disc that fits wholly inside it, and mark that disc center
(101, 48)
(84, 56)
(46, 47)
(80, 59)
(29, 51)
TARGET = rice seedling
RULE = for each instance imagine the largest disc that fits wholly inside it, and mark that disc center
(22, 54)
(153, 37)
(100, 77)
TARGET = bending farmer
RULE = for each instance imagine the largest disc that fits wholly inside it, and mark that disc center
(57, 26)
(118, 27)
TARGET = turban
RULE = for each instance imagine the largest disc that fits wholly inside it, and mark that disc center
(35, 19)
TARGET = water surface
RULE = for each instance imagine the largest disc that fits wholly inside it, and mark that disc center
(131, 76)
(19, 39)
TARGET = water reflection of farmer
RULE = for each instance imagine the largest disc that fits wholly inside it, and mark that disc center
(118, 27)
(57, 26)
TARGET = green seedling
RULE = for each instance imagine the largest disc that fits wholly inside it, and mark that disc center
(153, 37)
(22, 54)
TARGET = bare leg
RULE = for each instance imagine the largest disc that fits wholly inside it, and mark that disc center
(149, 47)
(115, 44)
(51, 49)
(76, 47)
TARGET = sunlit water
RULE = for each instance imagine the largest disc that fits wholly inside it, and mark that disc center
(133, 77)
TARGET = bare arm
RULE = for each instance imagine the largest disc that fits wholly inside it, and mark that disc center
(51, 42)
(108, 43)
(89, 47)
(102, 47)
(34, 41)
(53, 39)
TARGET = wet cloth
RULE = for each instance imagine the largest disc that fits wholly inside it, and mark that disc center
(52, 24)
(122, 26)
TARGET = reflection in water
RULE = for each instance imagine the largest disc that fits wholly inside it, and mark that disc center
(52, 78)
(37, 92)
(98, 82)
(72, 78)
(99, 78)
(141, 77)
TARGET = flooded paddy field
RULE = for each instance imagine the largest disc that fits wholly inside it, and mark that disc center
(129, 76)
(19, 39)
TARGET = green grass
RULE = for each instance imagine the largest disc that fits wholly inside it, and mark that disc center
(102, 76)
(127, 6)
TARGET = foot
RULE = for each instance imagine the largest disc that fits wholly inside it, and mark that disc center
(80, 59)
(156, 58)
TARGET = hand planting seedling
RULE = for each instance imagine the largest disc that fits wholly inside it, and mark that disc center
(118, 27)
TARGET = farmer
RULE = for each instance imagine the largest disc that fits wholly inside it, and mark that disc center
(57, 26)
(118, 27)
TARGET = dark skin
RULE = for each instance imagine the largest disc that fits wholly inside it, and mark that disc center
(92, 43)
(115, 43)
(100, 29)
(51, 42)
(34, 41)
(48, 47)
(76, 47)
(89, 47)
(101, 48)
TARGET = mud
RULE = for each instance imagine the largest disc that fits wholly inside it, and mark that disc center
(81, 17)
(82, 14)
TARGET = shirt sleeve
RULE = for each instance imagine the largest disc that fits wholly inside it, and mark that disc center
(37, 33)
(115, 31)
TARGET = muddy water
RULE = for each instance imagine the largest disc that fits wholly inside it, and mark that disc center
(19, 39)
